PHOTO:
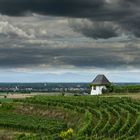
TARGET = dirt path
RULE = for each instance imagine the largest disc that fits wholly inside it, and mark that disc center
(22, 96)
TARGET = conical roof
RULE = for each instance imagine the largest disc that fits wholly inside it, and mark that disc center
(100, 80)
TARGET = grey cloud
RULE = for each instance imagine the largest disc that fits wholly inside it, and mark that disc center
(106, 56)
(93, 29)
(67, 51)
(9, 29)
(123, 13)
(59, 46)
(132, 25)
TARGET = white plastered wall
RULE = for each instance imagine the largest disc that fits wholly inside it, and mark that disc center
(97, 90)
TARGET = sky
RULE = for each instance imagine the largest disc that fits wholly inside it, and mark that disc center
(69, 40)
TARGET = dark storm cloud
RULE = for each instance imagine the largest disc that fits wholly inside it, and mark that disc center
(96, 9)
(105, 57)
(132, 25)
(125, 14)
(76, 8)
(95, 29)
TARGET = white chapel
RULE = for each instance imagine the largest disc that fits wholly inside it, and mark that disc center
(98, 84)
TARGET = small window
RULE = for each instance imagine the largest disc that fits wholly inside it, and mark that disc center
(94, 87)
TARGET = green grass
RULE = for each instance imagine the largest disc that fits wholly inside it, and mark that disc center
(6, 100)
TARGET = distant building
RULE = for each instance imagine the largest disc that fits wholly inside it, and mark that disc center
(98, 84)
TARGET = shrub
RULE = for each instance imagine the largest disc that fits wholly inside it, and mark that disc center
(67, 134)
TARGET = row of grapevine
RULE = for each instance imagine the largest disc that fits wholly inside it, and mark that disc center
(106, 118)
(87, 125)
(30, 123)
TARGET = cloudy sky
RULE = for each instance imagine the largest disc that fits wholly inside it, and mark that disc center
(69, 40)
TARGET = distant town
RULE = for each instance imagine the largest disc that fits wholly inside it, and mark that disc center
(44, 87)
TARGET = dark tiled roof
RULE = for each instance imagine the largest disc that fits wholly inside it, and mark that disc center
(100, 80)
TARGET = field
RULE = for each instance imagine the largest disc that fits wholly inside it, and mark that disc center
(129, 95)
(70, 118)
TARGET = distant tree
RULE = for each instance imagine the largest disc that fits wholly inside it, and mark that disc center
(5, 96)
(63, 94)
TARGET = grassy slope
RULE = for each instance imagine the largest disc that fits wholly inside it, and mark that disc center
(65, 115)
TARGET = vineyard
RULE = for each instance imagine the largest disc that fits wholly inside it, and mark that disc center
(71, 118)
